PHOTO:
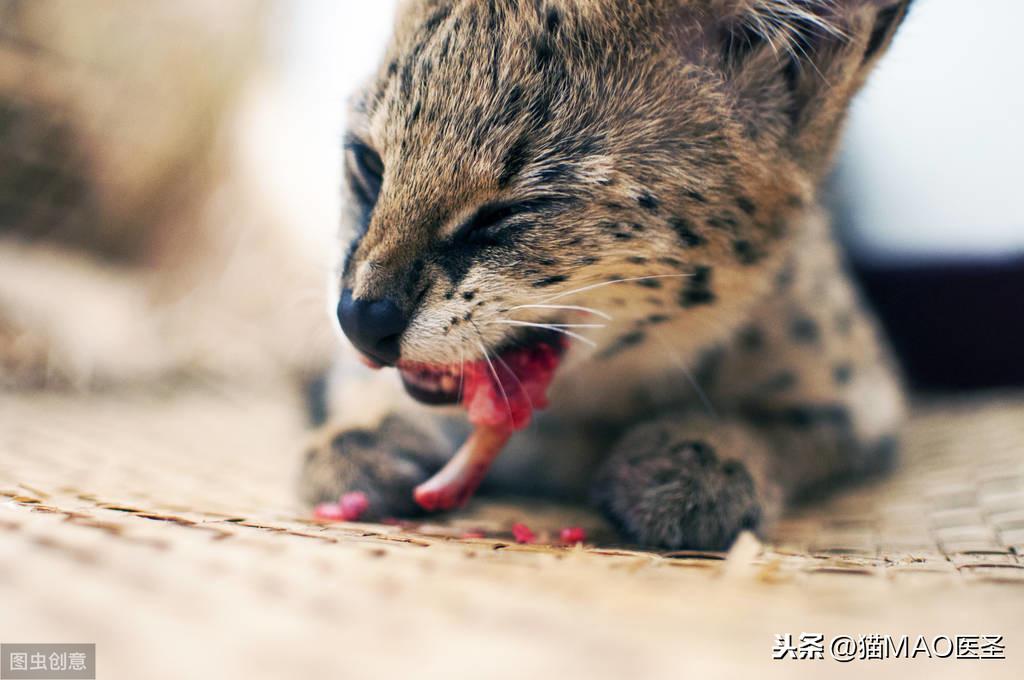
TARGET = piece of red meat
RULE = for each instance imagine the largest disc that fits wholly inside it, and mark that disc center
(349, 508)
(521, 387)
(353, 505)
(499, 398)
(573, 535)
(329, 511)
(523, 533)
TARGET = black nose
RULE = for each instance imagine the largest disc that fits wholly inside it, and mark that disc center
(373, 326)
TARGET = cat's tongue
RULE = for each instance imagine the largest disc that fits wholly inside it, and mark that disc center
(499, 398)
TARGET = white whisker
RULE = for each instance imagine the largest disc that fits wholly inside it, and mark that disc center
(593, 286)
(689, 376)
(573, 308)
(462, 370)
(501, 387)
(549, 327)
(517, 322)
(522, 389)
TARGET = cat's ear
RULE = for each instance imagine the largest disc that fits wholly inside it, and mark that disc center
(796, 64)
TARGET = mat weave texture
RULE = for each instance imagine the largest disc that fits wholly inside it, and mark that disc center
(163, 527)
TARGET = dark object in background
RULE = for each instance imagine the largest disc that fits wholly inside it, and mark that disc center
(955, 324)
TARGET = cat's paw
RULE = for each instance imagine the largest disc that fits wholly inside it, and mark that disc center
(665, 490)
(386, 464)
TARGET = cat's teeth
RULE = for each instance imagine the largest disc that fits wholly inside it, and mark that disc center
(435, 379)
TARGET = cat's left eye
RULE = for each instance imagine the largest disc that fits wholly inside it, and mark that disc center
(478, 228)
(486, 225)
(365, 172)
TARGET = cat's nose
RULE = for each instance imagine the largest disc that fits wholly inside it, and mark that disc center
(374, 326)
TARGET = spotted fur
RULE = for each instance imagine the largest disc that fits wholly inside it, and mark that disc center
(657, 161)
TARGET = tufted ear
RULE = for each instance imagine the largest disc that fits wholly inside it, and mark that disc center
(797, 63)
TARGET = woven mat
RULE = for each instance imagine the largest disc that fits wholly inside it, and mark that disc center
(162, 526)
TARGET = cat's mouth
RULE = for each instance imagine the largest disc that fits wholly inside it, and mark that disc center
(501, 390)
(433, 384)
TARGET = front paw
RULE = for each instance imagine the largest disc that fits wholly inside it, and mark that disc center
(665, 490)
(386, 464)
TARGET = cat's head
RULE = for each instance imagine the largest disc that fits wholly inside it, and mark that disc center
(513, 163)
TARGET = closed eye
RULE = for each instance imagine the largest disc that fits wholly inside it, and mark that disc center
(481, 227)
(365, 172)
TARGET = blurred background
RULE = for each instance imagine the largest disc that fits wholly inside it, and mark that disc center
(197, 166)
(927, 194)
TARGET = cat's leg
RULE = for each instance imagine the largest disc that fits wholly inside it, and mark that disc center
(695, 482)
(809, 397)
(680, 482)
